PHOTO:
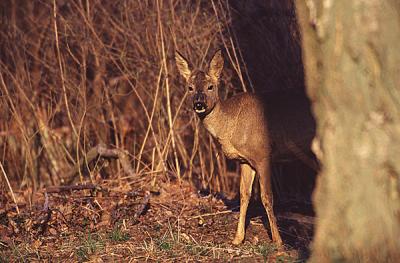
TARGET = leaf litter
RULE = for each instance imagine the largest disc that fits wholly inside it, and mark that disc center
(111, 223)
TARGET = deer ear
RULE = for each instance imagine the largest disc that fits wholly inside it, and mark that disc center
(183, 65)
(216, 65)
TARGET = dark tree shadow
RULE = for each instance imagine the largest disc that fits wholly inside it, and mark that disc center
(269, 42)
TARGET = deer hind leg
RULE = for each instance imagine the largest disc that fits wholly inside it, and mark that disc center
(267, 199)
(246, 183)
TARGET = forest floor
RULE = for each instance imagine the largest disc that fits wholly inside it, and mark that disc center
(174, 224)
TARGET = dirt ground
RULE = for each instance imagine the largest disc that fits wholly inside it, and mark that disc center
(175, 223)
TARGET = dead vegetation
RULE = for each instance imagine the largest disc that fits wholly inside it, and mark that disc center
(102, 72)
(113, 224)
(78, 74)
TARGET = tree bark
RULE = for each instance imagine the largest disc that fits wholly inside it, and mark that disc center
(352, 63)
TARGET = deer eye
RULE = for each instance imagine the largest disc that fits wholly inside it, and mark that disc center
(211, 87)
(190, 88)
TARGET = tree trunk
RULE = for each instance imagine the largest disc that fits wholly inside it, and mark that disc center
(352, 63)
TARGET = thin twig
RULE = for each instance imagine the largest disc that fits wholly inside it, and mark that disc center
(65, 188)
(9, 186)
(164, 63)
(212, 214)
(61, 69)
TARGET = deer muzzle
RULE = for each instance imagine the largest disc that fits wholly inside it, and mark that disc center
(199, 103)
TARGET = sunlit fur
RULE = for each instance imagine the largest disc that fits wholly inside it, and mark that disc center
(238, 124)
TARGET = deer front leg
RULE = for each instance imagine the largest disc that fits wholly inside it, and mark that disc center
(246, 183)
(267, 199)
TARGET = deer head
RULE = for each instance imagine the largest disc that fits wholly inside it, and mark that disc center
(202, 86)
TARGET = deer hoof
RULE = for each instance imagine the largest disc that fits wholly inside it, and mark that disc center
(237, 240)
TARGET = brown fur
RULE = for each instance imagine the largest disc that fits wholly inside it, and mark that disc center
(239, 124)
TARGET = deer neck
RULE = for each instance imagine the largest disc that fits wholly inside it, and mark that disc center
(214, 121)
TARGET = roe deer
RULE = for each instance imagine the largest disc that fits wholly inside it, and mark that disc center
(240, 124)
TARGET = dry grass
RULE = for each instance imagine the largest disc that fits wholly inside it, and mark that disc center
(74, 74)
(78, 73)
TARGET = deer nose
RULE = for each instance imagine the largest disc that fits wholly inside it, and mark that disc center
(199, 97)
